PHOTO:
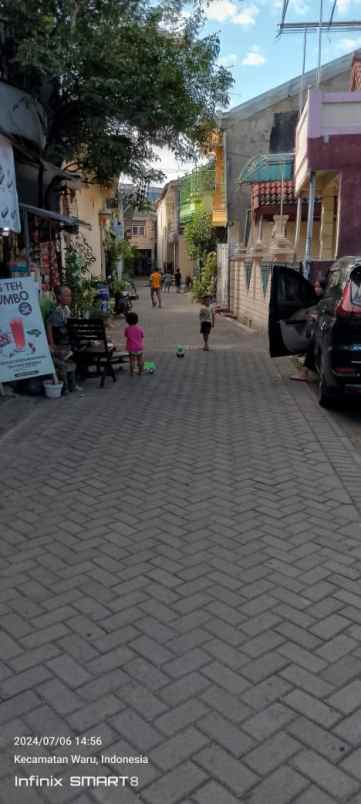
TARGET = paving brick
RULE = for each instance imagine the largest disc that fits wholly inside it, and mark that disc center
(42, 637)
(69, 670)
(260, 695)
(226, 678)
(23, 681)
(348, 699)
(181, 716)
(225, 653)
(137, 730)
(298, 635)
(179, 748)
(323, 773)
(190, 661)
(214, 793)
(265, 723)
(147, 674)
(342, 671)
(93, 713)
(262, 644)
(8, 647)
(307, 681)
(273, 752)
(18, 705)
(324, 742)
(60, 697)
(333, 650)
(228, 705)
(303, 657)
(111, 660)
(226, 734)
(350, 728)
(229, 771)
(311, 707)
(186, 687)
(266, 666)
(330, 626)
(280, 787)
(179, 782)
(44, 720)
(313, 795)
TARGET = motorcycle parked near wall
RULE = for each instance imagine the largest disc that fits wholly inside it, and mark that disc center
(122, 303)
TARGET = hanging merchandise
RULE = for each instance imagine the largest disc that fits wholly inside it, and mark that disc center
(49, 265)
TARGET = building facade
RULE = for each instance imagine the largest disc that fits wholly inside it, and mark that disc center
(267, 204)
(96, 204)
(140, 226)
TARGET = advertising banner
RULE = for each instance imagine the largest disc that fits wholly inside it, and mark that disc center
(9, 207)
(24, 350)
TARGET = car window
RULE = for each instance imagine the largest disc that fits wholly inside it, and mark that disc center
(355, 282)
(293, 291)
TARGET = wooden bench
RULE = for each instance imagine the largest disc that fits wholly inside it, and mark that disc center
(90, 346)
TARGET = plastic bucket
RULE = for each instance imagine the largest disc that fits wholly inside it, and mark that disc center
(53, 390)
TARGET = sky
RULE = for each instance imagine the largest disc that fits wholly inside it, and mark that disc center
(260, 60)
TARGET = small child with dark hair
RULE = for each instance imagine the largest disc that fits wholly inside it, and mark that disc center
(134, 335)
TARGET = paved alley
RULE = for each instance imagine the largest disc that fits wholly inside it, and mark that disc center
(180, 581)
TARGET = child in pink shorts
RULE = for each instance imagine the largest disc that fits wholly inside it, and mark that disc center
(134, 335)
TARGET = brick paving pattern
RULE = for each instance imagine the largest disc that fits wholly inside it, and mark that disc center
(180, 576)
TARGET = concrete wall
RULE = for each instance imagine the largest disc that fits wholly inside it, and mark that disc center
(249, 137)
(89, 202)
(250, 301)
(167, 225)
(185, 264)
(162, 233)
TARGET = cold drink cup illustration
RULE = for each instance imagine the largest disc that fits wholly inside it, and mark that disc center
(17, 331)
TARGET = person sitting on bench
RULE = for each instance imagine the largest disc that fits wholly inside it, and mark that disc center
(59, 341)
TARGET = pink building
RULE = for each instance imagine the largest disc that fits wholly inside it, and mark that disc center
(328, 165)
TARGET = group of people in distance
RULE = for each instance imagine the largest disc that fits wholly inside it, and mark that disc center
(163, 281)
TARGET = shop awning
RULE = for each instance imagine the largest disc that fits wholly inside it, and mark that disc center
(268, 167)
(64, 221)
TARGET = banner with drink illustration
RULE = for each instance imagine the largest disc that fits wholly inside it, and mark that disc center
(24, 350)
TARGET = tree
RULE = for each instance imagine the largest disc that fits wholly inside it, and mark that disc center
(200, 235)
(205, 283)
(116, 78)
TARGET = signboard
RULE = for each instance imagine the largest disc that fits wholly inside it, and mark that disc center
(9, 207)
(24, 350)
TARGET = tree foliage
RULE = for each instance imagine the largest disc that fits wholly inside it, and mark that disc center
(205, 283)
(117, 78)
(200, 235)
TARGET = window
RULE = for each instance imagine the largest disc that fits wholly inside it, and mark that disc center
(356, 286)
(138, 229)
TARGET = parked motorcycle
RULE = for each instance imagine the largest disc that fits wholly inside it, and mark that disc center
(122, 303)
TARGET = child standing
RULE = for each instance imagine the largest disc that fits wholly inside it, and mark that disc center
(134, 335)
(206, 317)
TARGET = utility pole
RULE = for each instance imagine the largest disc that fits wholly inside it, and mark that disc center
(320, 45)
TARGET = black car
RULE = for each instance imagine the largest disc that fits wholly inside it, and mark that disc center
(328, 330)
